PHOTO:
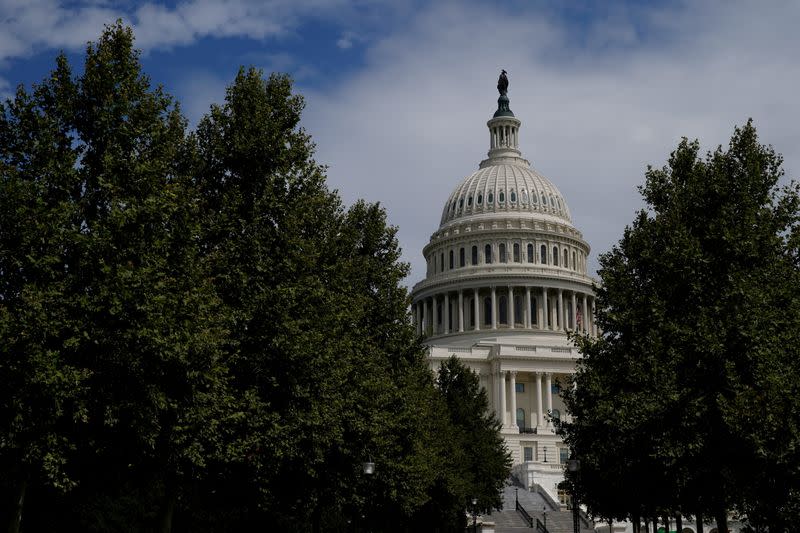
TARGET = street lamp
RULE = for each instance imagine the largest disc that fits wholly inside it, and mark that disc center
(474, 514)
(368, 467)
(574, 467)
(544, 514)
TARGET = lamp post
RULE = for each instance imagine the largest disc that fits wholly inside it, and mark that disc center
(544, 514)
(368, 467)
(474, 503)
(574, 467)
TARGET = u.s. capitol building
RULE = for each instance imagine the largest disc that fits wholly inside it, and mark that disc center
(506, 280)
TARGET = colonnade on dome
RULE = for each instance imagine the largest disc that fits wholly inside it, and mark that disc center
(504, 307)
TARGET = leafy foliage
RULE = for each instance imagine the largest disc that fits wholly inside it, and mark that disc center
(196, 335)
(686, 398)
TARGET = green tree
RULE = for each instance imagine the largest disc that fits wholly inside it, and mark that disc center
(106, 295)
(479, 462)
(695, 367)
(325, 357)
(43, 390)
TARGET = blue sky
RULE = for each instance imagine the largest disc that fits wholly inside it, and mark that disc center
(398, 93)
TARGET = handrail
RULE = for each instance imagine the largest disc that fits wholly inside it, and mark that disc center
(525, 516)
(540, 528)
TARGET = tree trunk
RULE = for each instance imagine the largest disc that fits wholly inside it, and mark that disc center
(168, 510)
(16, 514)
(698, 520)
(722, 521)
(610, 526)
(678, 522)
(637, 527)
(666, 523)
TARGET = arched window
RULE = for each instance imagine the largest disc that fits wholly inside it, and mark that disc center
(518, 308)
(469, 201)
(516, 252)
(487, 311)
(574, 264)
(474, 255)
(460, 204)
(530, 253)
(566, 256)
(480, 198)
(487, 254)
(501, 252)
(502, 311)
(521, 418)
(501, 197)
(451, 259)
(462, 257)
(441, 262)
(544, 199)
(555, 256)
(439, 314)
(524, 196)
(513, 197)
(532, 311)
(543, 255)
(490, 198)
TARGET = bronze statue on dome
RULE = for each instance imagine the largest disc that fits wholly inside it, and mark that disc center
(502, 83)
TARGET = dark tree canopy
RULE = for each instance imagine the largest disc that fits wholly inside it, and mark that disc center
(195, 333)
(687, 400)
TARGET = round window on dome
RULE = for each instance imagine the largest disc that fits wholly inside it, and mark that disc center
(490, 198)
(501, 197)
(513, 196)
(480, 199)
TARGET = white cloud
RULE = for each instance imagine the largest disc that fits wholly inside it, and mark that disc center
(410, 126)
(29, 25)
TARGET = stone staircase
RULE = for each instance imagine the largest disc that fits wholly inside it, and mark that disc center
(508, 520)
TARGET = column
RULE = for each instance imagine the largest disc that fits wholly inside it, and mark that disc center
(539, 414)
(528, 323)
(548, 383)
(494, 308)
(446, 318)
(460, 311)
(477, 309)
(585, 320)
(510, 307)
(554, 314)
(503, 398)
(574, 311)
(545, 322)
(513, 392)
(434, 315)
(561, 313)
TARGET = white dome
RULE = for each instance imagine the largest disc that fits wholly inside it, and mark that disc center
(505, 188)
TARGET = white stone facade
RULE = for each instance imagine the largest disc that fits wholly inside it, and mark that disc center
(506, 280)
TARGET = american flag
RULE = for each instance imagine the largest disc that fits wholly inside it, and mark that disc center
(579, 317)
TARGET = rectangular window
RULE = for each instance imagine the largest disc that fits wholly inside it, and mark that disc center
(528, 453)
(563, 455)
(520, 387)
